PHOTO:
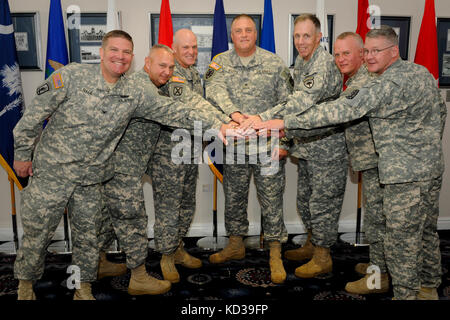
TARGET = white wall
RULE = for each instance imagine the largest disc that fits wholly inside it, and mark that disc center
(135, 18)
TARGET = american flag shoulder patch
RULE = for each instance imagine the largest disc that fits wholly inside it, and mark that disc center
(57, 81)
(215, 66)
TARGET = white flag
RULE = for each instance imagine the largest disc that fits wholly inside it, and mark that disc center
(322, 16)
(112, 17)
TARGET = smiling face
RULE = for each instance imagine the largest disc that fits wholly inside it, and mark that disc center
(160, 65)
(185, 47)
(116, 57)
(244, 35)
(348, 55)
(387, 55)
(306, 38)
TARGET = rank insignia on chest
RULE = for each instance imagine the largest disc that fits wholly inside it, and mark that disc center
(308, 82)
(177, 91)
(57, 81)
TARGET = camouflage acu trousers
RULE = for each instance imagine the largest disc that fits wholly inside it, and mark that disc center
(125, 209)
(269, 189)
(320, 194)
(42, 205)
(412, 242)
(174, 192)
(374, 224)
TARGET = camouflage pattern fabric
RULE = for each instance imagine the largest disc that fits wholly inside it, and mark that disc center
(252, 89)
(374, 224)
(174, 185)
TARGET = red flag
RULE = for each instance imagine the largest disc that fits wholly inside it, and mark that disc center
(427, 47)
(165, 35)
(363, 18)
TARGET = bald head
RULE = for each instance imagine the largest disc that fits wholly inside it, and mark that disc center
(185, 47)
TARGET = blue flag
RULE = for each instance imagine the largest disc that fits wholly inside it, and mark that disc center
(56, 41)
(11, 97)
(267, 33)
(219, 45)
(220, 37)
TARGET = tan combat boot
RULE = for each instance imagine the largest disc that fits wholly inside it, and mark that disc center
(109, 269)
(235, 250)
(277, 272)
(427, 294)
(142, 283)
(168, 269)
(303, 253)
(185, 259)
(361, 286)
(84, 293)
(319, 264)
(361, 268)
(25, 290)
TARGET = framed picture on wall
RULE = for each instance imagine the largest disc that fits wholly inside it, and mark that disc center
(401, 25)
(27, 34)
(443, 33)
(293, 51)
(202, 26)
(86, 39)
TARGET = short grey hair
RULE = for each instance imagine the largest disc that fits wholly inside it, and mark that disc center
(354, 35)
(159, 46)
(384, 31)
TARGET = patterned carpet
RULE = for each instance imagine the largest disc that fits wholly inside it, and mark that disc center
(229, 283)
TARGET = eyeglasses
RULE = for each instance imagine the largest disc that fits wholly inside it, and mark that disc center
(375, 52)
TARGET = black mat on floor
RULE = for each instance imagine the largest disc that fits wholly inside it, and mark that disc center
(230, 283)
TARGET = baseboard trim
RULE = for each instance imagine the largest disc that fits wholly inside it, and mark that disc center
(206, 229)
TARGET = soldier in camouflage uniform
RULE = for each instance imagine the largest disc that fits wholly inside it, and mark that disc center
(322, 155)
(407, 116)
(174, 185)
(90, 107)
(349, 57)
(249, 80)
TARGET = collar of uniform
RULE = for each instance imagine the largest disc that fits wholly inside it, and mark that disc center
(182, 71)
(236, 61)
(362, 72)
(392, 68)
(313, 58)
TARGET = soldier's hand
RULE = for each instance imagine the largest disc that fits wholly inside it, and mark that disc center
(23, 168)
(250, 122)
(263, 127)
(279, 154)
(237, 117)
(229, 130)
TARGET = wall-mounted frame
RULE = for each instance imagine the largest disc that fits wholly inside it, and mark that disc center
(402, 26)
(27, 34)
(85, 41)
(443, 34)
(202, 26)
(293, 53)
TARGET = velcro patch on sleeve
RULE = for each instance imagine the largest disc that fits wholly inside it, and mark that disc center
(177, 79)
(215, 66)
(58, 81)
(42, 89)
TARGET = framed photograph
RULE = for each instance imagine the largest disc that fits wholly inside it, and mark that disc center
(443, 34)
(86, 39)
(202, 26)
(402, 26)
(293, 51)
(28, 40)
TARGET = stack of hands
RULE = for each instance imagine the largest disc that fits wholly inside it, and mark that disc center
(245, 126)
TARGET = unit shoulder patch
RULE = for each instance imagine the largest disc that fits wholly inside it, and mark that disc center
(308, 82)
